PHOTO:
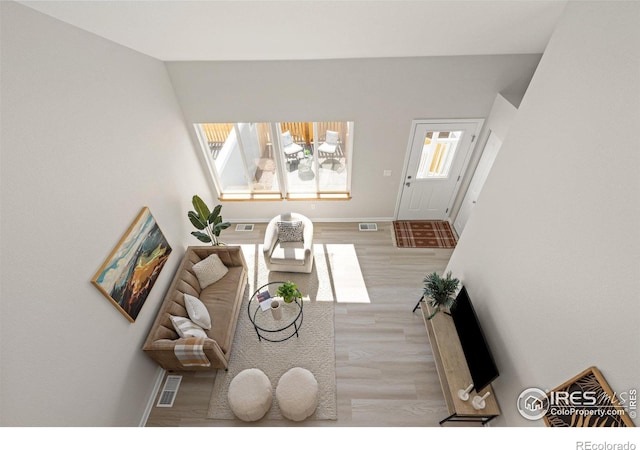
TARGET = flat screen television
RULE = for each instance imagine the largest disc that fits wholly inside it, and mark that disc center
(476, 351)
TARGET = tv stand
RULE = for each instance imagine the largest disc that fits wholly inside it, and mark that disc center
(454, 372)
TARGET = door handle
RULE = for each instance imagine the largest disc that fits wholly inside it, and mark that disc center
(407, 184)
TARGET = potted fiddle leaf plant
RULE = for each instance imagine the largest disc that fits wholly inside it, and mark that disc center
(209, 223)
(440, 292)
(289, 292)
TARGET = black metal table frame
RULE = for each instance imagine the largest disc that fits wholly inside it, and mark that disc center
(466, 418)
(296, 326)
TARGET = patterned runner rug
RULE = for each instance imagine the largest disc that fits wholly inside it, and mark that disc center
(423, 234)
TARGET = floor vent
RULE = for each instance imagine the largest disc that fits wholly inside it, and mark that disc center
(368, 227)
(169, 391)
(244, 227)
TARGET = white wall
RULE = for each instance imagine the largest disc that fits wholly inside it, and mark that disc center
(499, 120)
(551, 255)
(382, 97)
(91, 133)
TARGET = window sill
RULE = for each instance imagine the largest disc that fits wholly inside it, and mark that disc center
(250, 197)
(329, 196)
(321, 196)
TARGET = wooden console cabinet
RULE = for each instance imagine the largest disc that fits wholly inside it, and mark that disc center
(454, 372)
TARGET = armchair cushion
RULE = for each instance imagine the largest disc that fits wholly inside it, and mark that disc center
(331, 142)
(286, 138)
(289, 253)
(290, 231)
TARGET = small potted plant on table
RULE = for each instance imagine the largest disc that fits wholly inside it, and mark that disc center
(289, 292)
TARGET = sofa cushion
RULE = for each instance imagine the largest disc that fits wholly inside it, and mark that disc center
(219, 298)
(209, 270)
(185, 327)
(197, 311)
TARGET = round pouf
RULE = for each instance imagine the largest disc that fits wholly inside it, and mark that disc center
(250, 395)
(297, 394)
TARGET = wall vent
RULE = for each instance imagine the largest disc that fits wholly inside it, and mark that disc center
(244, 227)
(169, 391)
(368, 227)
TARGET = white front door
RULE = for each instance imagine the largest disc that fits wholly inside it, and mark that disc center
(479, 177)
(438, 154)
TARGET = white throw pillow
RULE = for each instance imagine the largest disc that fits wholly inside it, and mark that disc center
(291, 231)
(209, 270)
(198, 313)
(186, 328)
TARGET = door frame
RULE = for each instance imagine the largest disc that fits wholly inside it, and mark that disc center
(463, 172)
(490, 149)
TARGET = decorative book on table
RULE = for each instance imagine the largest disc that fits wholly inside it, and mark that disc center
(262, 299)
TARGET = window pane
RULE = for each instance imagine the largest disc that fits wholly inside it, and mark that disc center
(333, 155)
(297, 149)
(257, 147)
(216, 135)
(437, 153)
(242, 155)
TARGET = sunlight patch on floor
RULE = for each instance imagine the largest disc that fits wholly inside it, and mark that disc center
(336, 274)
(347, 277)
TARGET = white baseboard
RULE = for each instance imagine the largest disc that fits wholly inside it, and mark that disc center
(147, 411)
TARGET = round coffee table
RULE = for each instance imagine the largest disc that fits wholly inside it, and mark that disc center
(263, 322)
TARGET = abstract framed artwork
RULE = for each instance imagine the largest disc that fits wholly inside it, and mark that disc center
(130, 271)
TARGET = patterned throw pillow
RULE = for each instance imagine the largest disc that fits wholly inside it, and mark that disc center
(209, 270)
(198, 313)
(185, 328)
(290, 231)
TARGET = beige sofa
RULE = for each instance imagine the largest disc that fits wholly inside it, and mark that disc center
(222, 300)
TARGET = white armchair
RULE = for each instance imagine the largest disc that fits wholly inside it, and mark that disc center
(281, 254)
(290, 148)
(331, 143)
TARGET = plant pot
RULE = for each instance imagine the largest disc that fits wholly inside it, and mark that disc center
(276, 311)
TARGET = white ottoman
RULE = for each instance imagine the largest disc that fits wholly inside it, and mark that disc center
(250, 395)
(297, 394)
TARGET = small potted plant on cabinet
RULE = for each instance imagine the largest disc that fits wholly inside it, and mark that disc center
(440, 292)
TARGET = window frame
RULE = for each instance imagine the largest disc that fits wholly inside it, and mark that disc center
(284, 191)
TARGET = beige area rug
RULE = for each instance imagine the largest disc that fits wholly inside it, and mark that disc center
(313, 349)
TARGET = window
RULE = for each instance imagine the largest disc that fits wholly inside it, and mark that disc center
(294, 160)
(437, 154)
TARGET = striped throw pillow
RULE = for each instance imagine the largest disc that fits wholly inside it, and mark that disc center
(186, 328)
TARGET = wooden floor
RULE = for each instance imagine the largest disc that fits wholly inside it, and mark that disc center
(385, 372)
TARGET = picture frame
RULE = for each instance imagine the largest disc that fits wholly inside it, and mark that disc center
(589, 381)
(128, 274)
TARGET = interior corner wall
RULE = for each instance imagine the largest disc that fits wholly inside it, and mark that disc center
(498, 122)
(382, 96)
(91, 133)
(551, 254)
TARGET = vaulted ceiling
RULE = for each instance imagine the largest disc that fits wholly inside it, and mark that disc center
(289, 30)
